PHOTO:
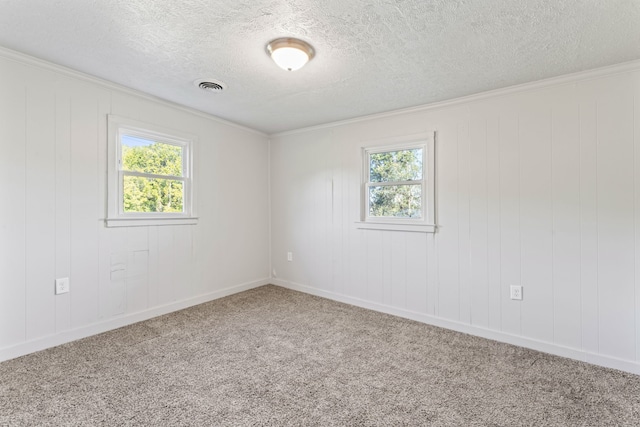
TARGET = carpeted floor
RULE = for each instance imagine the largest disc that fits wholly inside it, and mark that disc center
(275, 357)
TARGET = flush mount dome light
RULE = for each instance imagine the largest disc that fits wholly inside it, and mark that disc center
(290, 54)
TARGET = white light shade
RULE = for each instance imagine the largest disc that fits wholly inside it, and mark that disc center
(290, 54)
(290, 58)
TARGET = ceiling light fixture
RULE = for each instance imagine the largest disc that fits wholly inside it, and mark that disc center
(290, 54)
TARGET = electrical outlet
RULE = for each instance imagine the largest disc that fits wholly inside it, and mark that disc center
(516, 292)
(289, 256)
(62, 286)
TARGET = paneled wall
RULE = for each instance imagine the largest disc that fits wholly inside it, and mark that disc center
(538, 187)
(53, 148)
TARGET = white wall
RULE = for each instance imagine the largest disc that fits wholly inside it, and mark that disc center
(52, 201)
(538, 186)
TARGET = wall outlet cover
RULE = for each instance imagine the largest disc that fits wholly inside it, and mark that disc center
(62, 286)
(516, 292)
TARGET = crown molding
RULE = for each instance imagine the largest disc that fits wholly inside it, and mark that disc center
(610, 70)
(25, 59)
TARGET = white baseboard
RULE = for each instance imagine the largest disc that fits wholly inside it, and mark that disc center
(120, 321)
(547, 347)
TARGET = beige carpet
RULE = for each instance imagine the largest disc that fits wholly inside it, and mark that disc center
(275, 357)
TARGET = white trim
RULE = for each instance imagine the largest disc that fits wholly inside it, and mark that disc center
(544, 346)
(389, 226)
(118, 126)
(595, 73)
(426, 223)
(25, 59)
(60, 338)
(146, 221)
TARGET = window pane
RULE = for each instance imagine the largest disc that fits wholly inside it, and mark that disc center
(401, 165)
(147, 156)
(396, 201)
(152, 195)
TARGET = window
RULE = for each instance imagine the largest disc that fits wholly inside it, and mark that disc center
(398, 191)
(150, 175)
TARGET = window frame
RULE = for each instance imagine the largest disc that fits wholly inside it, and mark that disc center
(116, 216)
(427, 222)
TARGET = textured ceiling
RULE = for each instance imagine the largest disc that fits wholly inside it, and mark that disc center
(372, 56)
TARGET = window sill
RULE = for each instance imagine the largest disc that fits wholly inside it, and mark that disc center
(386, 226)
(142, 222)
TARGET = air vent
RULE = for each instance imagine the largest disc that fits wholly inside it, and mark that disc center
(210, 85)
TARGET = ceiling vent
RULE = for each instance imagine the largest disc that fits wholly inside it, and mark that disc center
(210, 85)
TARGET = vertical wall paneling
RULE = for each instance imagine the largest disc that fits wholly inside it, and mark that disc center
(494, 238)
(40, 211)
(165, 267)
(510, 256)
(84, 205)
(374, 266)
(313, 254)
(431, 274)
(113, 287)
(62, 215)
(53, 179)
(636, 171)
(478, 223)
(337, 217)
(449, 216)
(347, 219)
(322, 248)
(536, 219)
(566, 219)
(464, 244)
(112, 272)
(182, 273)
(615, 220)
(357, 238)
(153, 265)
(589, 226)
(104, 108)
(387, 266)
(13, 193)
(537, 188)
(136, 279)
(398, 269)
(414, 253)
(328, 213)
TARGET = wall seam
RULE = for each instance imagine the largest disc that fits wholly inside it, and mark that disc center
(580, 231)
(519, 219)
(269, 213)
(597, 238)
(24, 230)
(553, 227)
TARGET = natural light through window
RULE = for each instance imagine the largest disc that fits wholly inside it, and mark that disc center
(150, 175)
(153, 175)
(398, 186)
(395, 183)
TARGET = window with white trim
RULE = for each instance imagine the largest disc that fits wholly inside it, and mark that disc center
(398, 188)
(150, 175)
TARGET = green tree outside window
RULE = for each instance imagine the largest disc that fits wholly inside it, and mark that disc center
(399, 173)
(157, 194)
